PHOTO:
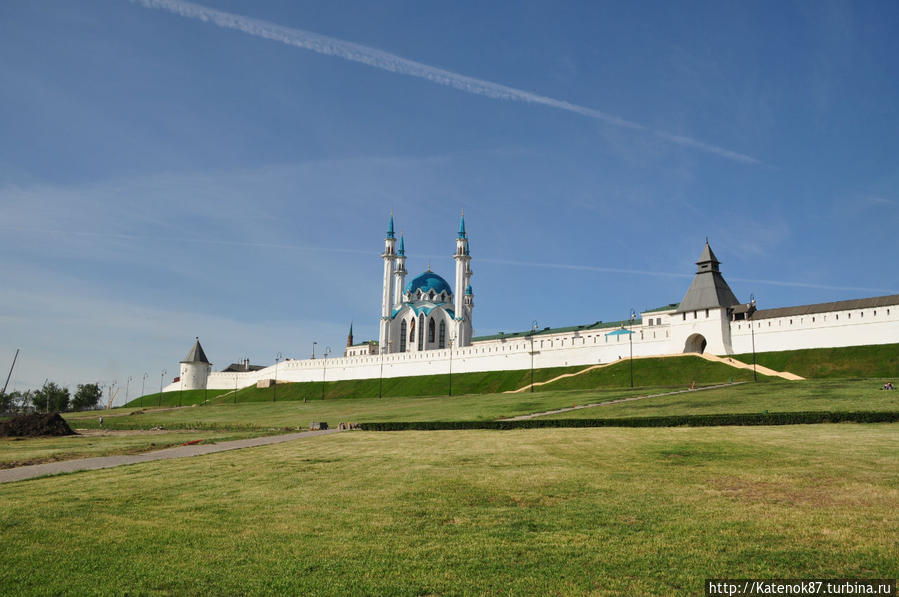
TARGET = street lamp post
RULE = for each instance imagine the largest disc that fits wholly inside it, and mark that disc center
(159, 398)
(750, 311)
(324, 369)
(533, 331)
(451, 342)
(313, 350)
(127, 387)
(630, 338)
(275, 385)
(381, 374)
(143, 383)
(235, 387)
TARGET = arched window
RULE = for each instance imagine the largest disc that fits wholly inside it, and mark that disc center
(431, 295)
(442, 334)
(403, 336)
(421, 331)
(431, 329)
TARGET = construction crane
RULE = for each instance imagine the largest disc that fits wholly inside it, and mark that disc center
(3, 393)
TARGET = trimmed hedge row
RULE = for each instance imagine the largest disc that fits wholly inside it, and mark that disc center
(785, 418)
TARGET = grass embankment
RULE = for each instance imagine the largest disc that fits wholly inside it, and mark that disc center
(851, 362)
(294, 413)
(662, 372)
(773, 396)
(483, 382)
(175, 398)
(587, 511)
(653, 373)
(20, 451)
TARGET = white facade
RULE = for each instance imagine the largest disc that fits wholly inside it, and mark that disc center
(720, 330)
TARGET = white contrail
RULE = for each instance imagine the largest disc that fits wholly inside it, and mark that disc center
(168, 240)
(331, 46)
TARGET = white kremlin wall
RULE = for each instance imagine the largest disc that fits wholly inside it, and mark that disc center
(592, 346)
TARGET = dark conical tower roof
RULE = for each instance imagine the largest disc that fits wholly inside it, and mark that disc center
(196, 354)
(708, 290)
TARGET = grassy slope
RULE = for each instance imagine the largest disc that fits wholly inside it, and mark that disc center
(647, 373)
(773, 396)
(663, 372)
(295, 413)
(602, 511)
(867, 362)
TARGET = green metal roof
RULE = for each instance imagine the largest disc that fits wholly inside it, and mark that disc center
(667, 307)
(599, 325)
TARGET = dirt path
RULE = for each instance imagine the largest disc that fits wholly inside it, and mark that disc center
(620, 400)
(88, 464)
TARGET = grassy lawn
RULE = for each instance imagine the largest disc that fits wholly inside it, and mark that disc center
(560, 511)
(19, 451)
(679, 371)
(298, 414)
(859, 362)
(771, 396)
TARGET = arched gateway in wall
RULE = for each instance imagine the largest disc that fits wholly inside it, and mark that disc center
(695, 343)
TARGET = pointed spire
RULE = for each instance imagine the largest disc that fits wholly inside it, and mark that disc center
(462, 226)
(402, 250)
(196, 354)
(390, 226)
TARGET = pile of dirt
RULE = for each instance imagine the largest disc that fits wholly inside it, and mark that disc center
(34, 425)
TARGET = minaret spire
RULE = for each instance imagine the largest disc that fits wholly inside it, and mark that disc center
(461, 309)
(390, 258)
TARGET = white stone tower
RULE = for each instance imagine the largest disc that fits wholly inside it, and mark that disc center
(389, 256)
(195, 368)
(462, 307)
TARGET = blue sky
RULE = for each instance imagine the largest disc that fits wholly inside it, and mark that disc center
(170, 170)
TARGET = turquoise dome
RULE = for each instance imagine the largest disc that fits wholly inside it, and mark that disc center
(427, 282)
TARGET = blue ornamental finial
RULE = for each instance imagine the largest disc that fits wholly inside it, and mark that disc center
(462, 225)
(402, 249)
(468, 290)
(390, 226)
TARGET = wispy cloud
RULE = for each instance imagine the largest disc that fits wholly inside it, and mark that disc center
(375, 58)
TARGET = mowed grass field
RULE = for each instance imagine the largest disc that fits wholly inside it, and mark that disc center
(771, 396)
(548, 511)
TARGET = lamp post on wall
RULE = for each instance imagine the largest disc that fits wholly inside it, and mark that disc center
(143, 384)
(533, 331)
(451, 342)
(381, 374)
(313, 350)
(275, 385)
(750, 311)
(161, 377)
(324, 369)
(630, 338)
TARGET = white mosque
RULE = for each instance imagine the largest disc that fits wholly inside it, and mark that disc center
(426, 328)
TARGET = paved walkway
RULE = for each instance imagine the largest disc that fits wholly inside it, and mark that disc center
(88, 464)
(620, 400)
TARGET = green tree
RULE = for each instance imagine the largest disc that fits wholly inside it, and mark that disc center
(87, 396)
(51, 397)
(13, 401)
